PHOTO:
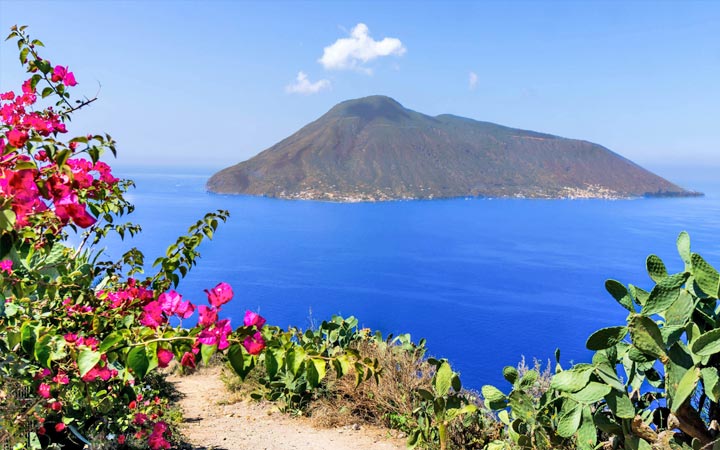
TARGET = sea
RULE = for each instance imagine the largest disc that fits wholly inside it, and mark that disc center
(487, 282)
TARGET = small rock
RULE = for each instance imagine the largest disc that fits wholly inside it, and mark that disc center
(355, 426)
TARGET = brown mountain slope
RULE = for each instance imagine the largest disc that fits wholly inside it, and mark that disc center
(374, 149)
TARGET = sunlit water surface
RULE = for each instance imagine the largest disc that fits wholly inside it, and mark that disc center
(486, 281)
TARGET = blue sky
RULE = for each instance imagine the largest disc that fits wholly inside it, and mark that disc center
(207, 84)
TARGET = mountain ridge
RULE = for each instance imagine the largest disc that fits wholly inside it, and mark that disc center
(374, 149)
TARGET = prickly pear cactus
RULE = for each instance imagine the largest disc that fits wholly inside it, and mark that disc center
(653, 383)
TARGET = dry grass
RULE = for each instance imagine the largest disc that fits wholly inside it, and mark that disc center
(403, 372)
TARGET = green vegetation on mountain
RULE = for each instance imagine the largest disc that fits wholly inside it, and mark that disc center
(373, 148)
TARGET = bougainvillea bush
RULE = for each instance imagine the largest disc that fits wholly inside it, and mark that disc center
(80, 334)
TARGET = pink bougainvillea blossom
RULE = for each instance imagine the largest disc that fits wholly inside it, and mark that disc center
(6, 266)
(61, 73)
(157, 441)
(44, 390)
(61, 378)
(254, 319)
(219, 295)
(208, 316)
(172, 303)
(164, 357)
(217, 334)
(152, 316)
(254, 344)
(188, 360)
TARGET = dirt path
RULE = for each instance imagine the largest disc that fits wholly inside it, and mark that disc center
(212, 424)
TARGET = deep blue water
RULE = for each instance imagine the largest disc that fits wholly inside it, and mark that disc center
(485, 281)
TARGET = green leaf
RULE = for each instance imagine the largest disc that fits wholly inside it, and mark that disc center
(587, 434)
(683, 246)
(342, 365)
(572, 380)
(443, 379)
(241, 362)
(640, 294)
(7, 219)
(522, 405)
(569, 421)
(43, 350)
(315, 371)
(137, 360)
(705, 275)
(87, 360)
(425, 394)
(110, 341)
(711, 382)
(510, 374)
(606, 338)
(494, 398)
(28, 336)
(206, 352)
(608, 375)
(656, 268)
(23, 55)
(646, 336)
(681, 311)
(661, 298)
(707, 343)
(530, 377)
(620, 404)
(686, 387)
(591, 393)
(295, 359)
(620, 293)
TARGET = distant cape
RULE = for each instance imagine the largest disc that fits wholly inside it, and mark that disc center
(373, 149)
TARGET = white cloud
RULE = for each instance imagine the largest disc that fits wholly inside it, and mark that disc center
(354, 51)
(472, 81)
(303, 86)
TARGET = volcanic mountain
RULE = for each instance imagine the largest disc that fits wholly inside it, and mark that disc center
(373, 148)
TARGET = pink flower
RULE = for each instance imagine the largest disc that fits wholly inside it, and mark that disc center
(17, 138)
(92, 342)
(92, 375)
(44, 390)
(156, 440)
(208, 316)
(216, 335)
(140, 419)
(42, 374)
(61, 378)
(56, 406)
(69, 79)
(219, 295)
(59, 427)
(172, 303)
(58, 73)
(254, 344)
(6, 266)
(61, 73)
(188, 360)
(254, 319)
(164, 357)
(152, 316)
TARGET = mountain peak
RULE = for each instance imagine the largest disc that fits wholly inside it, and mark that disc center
(370, 108)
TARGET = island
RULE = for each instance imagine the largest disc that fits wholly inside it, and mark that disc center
(374, 149)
